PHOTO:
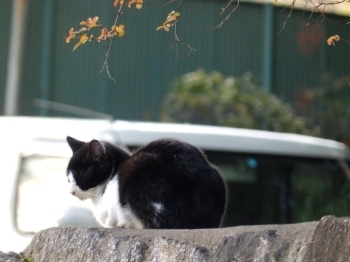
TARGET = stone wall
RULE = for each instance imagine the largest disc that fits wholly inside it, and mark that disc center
(326, 240)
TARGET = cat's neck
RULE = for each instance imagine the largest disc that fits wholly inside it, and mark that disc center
(101, 188)
(105, 183)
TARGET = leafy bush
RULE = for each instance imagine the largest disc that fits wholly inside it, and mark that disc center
(328, 106)
(213, 99)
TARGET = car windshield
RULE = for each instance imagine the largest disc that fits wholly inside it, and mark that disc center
(262, 190)
(275, 189)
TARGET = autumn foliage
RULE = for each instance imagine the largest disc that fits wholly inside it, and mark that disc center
(85, 33)
(330, 40)
(138, 3)
(91, 23)
(88, 27)
(83, 36)
(170, 21)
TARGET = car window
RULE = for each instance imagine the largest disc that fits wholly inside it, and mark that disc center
(319, 190)
(272, 189)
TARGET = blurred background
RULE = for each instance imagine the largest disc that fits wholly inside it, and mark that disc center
(265, 69)
(305, 82)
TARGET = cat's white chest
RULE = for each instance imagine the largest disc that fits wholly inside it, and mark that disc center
(109, 212)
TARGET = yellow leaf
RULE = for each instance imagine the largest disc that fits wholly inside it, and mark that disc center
(170, 21)
(104, 34)
(76, 46)
(82, 41)
(330, 40)
(117, 1)
(138, 3)
(90, 23)
(71, 35)
(94, 20)
(119, 30)
(173, 16)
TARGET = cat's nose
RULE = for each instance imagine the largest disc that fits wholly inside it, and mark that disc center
(72, 192)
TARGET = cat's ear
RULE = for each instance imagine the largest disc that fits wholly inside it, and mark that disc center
(96, 150)
(74, 144)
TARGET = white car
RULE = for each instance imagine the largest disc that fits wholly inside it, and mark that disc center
(271, 177)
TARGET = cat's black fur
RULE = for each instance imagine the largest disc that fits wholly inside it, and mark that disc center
(91, 164)
(166, 171)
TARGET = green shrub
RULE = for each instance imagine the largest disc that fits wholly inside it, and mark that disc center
(328, 106)
(213, 99)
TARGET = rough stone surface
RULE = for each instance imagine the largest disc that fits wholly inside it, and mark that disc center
(331, 240)
(326, 240)
(9, 257)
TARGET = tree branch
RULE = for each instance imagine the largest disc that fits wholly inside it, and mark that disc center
(178, 41)
(105, 66)
(223, 10)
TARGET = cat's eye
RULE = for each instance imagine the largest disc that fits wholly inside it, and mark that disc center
(71, 175)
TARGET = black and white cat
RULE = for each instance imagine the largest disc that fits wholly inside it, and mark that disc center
(166, 184)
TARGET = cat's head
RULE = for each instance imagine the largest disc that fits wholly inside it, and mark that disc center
(91, 166)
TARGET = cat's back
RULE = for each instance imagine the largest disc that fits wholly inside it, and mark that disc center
(177, 164)
(170, 150)
(178, 177)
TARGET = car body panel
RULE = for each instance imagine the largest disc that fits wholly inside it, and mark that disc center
(24, 137)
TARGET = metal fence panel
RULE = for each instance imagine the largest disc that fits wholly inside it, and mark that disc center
(144, 61)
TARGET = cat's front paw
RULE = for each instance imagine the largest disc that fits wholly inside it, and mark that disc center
(110, 223)
(131, 225)
(128, 226)
(125, 225)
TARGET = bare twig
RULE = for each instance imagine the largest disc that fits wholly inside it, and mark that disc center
(325, 5)
(179, 6)
(321, 7)
(169, 2)
(345, 40)
(223, 10)
(178, 41)
(226, 6)
(318, 7)
(291, 7)
(105, 66)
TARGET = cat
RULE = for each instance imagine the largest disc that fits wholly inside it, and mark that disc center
(167, 184)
